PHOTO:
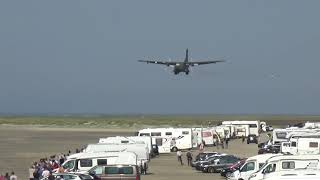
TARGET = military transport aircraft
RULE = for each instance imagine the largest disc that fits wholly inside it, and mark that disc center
(182, 66)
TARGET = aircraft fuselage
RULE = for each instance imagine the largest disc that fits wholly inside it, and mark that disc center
(183, 67)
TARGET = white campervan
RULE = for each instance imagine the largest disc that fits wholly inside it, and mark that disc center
(85, 161)
(286, 163)
(181, 138)
(251, 165)
(254, 126)
(282, 135)
(147, 140)
(301, 174)
(307, 143)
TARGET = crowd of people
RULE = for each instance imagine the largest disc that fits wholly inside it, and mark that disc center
(43, 169)
(8, 177)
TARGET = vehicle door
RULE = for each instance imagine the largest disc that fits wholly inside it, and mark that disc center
(268, 171)
(247, 170)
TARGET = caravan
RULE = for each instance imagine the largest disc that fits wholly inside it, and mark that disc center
(307, 143)
(147, 140)
(81, 162)
(286, 163)
(180, 138)
(254, 126)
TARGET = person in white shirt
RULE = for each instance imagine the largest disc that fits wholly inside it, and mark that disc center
(179, 155)
(13, 176)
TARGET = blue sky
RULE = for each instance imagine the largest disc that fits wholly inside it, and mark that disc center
(81, 57)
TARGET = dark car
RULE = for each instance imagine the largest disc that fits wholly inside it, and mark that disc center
(210, 160)
(220, 163)
(269, 149)
(202, 157)
(252, 138)
(232, 168)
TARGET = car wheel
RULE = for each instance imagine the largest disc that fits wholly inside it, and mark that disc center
(211, 170)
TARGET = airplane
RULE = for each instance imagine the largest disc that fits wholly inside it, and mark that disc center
(182, 66)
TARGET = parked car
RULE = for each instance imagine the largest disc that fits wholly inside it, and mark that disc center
(230, 169)
(115, 172)
(72, 176)
(220, 163)
(202, 157)
(269, 149)
(206, 162)
(252, 138)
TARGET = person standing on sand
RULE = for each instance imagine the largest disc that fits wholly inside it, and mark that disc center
(189, 157)
(7, 177)
(13, 176)
(179, 155)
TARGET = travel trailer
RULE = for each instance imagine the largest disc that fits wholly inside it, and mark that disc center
(254, 126)
(286, 163)
(283, 135)
(251, 165)
(81, 162)
(181, 138)
(307, 143)
(140, 150)
(147, 140)
(301, 174)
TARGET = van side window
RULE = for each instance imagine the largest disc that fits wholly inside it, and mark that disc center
(269, 169)
(159, 141)
(144, 134)
(281, 135)
(313, 144)
(111, 170)
(69, 165)
(85, 162)
(293, 144)
(185, 132)
(288, 165)
(168, 133)
(248, 167)
(260, 165)
(156, 134)
(124, 141)
(102, 161)
(253, 125)
(126, 170)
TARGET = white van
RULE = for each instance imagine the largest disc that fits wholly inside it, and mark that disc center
(181, 137)
(282, 135)
(301, 174)
(251, 165)
(147, 140)
(286, 163)
(81, 162)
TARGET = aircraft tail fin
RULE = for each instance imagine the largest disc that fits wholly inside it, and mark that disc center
(187, 56)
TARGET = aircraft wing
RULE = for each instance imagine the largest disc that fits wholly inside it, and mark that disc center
(204, 62)
(167, 63)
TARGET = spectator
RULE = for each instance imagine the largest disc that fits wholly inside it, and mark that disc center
(31, 171)
(179, 155)
(7, 177)
(189, 158)
(13, 176)
(243, 138)
(2, 177)
(46, 173)
(227, 143)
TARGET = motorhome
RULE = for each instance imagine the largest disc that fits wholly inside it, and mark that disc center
(307, 143)
(80, 162)
(282, 135)
(312, 125)
(181, 138)
(251, 165)
(254, 126)
(204, 135)
(147, 140)
(301, 174)
(139, 149)
(286, 163)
